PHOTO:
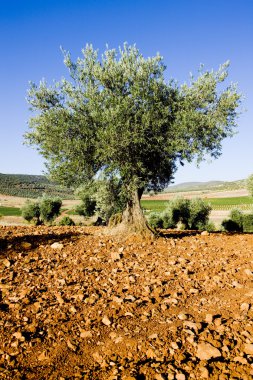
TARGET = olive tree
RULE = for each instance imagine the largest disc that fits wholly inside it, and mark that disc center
(116, 114)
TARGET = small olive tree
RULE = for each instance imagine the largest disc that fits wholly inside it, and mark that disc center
(44, 210)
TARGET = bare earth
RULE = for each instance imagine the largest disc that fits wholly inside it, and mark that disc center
(96, 307)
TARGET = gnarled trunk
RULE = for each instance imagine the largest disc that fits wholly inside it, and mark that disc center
(133, 219)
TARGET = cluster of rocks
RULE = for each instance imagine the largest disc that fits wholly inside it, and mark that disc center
(78, 305)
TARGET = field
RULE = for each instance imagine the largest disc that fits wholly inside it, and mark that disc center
(244, 203)
(77, 303)
(10, 211)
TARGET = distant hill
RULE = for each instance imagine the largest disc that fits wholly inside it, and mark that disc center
(205, 186)
(31, 186)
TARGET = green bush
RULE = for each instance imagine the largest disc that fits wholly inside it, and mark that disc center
(235, 221)
(179, 211)
(199, 212)
(248, 223)
(193, 214)
(66, 221)
(155, 220)
(230, 226)
(45, 210)
(49, 208)
(103, 197)
(31, 212)
(237, 217)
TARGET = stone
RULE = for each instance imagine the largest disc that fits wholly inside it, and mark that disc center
(248, 272)
(25, 245)
(182, 316)
(85, 334)
(206, 351)
(57, 246)
(6, 263)
(115, 256)
(209, 318)
(106, 321)
(248, 348)
(245, 307)
(180, 376)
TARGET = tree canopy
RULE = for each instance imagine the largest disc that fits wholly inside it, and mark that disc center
(116, 114)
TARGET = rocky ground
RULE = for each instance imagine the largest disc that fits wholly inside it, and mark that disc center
(76, 304)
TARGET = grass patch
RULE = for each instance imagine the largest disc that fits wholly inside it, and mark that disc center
(10, 211)
(244, 203)
(154, 205)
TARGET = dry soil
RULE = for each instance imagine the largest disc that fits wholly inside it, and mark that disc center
(76, 304)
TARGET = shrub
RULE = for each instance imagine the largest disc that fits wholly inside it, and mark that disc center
(187, 213)
(49, 208)
(43, 211)
(230, 226)
(179, 211)
(237, 217)
(103, 197)
(155, 220)
(235, 221)
(248, 223)
(31, 212)
(66, 221)
(199, 212)
(87, 207)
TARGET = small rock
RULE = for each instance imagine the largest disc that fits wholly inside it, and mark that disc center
(85, 334)
(248, 272)
(180, 376)
(25, 245)
(245, 307)
(6, 263)
(182, 316)
(206, 351)
(204, 372)
(205, 233)
(106, 321)
(209, 318)
(71, 346)
(240, 359)
(248, 348)
(57, 246)
(115, 256)
(153, 336)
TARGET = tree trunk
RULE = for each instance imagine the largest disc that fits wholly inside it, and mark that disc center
(133, 219)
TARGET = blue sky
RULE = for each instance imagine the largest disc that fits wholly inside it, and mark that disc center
(186, 33)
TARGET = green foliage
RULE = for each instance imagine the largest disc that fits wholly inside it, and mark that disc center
(66, 221)
(238, 222)
(179, 209)
(103, 196)
(199, 212)
(45, 210)
(31, 186)
(248, 223)
(49, 208)
(155, 220)
(77, 123)
(87, 195)
(237, 217)
(230, 226)
(250, 185)
(31, 212)
(190, 214)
